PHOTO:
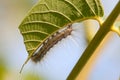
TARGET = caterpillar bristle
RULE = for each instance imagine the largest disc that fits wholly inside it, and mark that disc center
(50, 42)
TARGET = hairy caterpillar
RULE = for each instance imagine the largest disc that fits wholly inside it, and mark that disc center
(50, 42)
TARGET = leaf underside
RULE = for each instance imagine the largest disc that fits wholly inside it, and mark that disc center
(49, 16)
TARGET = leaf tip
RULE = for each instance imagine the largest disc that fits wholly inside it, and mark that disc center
(24, 65)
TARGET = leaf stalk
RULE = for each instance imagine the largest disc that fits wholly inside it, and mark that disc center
(102, 32)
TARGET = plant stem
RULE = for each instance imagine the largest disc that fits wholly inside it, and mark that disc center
(102, 32)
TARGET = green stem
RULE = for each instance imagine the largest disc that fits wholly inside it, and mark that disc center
(102, 32)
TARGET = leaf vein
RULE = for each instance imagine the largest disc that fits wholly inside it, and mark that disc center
(74, 7)
(90, 7)
(46, 5)
(42, 22)
(31, 49)
(26, 41)
(97, 7)
(35, 31)
(51, 11)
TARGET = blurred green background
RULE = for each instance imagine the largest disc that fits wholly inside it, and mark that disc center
(11, 14)
(13, 52)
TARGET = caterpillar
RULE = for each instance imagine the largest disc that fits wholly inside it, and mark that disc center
(50, 42)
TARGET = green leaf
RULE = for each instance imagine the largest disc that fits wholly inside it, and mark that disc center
(49, 16)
